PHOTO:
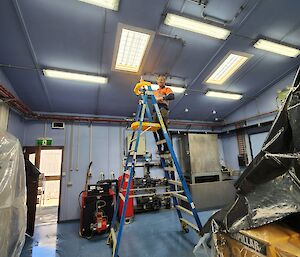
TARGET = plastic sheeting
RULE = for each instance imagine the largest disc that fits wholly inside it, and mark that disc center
(12, 196)
(269, 188)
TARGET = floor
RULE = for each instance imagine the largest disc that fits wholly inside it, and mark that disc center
(155, 234)
(46, 215)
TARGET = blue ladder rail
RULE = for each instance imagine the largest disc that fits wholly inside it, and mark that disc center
(114, 238)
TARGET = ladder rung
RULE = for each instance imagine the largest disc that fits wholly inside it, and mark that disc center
(175, 182)
(193, 226)
(182, 197)
(166, 156)
(184, 209)
(113, 236)
(154, 194)
(160, 142)
(145, 188)
(122, 197)
(170, 169)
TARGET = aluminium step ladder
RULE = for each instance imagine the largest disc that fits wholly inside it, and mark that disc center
(179, 189)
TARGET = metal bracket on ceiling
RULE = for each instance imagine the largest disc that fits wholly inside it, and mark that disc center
(175, 37)
(216, 19)
(200, 2)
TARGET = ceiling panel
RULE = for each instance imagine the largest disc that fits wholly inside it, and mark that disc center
(118, 97)
(72, 35)
(72, 97)
(200, 107)
(274, 19)
(65, 34)
(28, 86)
(13, 46)
(261, 75)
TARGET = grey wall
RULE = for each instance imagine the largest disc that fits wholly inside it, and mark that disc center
(257, 141)
(266, 102)
(230, 151)
(107, 155)
(16, 125)
(6, 83)
(107, 145)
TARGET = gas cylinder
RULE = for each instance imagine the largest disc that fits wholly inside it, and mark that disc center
(129, 215)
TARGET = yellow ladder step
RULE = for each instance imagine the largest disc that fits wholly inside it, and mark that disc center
(150, 126)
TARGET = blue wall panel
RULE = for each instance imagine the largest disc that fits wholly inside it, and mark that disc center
(16, 125)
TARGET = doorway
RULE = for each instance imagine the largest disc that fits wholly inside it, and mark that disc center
(48, 160)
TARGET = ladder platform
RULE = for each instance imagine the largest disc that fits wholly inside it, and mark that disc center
(193, 226)
(175, 182)
(181, 208)
(182, 197)
(149, 126)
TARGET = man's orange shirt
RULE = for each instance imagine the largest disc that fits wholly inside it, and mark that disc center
(163, 92)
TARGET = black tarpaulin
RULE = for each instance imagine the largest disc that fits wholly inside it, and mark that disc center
(269, 188)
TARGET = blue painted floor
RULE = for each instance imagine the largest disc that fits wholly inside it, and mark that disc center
(156, 234)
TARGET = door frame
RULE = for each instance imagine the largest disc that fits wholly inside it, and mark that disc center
(37, 150)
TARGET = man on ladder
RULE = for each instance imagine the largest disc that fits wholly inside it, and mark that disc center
(178, 188)
(163, 95)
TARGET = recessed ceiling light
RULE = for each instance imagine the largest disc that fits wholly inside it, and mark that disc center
(196, 26)
(227, 67)
(216, 119)
(186, 110)
(176, 90)
(277, 48)
(214, 111)
(108, 4)
(131, 48)
(74, 76)
(226, 95)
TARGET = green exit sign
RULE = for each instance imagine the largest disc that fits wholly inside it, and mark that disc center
(44, 141)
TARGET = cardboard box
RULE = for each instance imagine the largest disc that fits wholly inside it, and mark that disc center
(271, 240)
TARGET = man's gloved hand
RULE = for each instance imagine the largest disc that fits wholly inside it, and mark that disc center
(159, 99)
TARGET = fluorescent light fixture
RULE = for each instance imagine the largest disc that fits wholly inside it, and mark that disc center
(226, 95)
(74, 76)
(277, 48)
(108, 4)
(176, 90)
(229, 65)
(131, 48)
(196, 26)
